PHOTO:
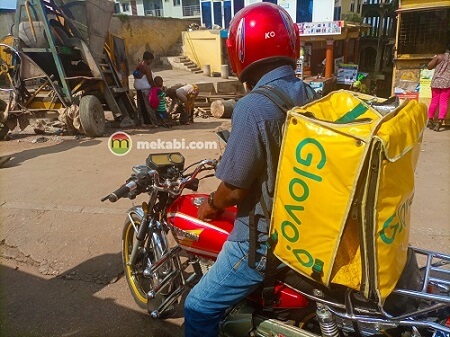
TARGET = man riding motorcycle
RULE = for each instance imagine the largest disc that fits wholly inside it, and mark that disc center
(263, 46)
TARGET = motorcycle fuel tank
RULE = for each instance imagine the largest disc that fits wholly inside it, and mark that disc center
(193, 235)
(206, 239)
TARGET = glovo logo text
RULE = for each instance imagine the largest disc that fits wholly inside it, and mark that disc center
(310, 158)
(395, 224)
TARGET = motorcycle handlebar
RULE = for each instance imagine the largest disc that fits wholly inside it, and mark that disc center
(172, 187)
(121, 191)
(212, 163)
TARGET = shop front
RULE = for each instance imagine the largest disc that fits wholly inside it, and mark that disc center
(423, 30)
(327, 49)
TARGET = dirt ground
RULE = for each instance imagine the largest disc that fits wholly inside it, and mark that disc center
(60, 263)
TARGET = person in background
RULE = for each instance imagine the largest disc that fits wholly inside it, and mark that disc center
(248, 167)
(143, 81)
(161, 112)
(440, 88)
(185, 95)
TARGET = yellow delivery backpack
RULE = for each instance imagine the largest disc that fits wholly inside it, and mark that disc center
(345, 183)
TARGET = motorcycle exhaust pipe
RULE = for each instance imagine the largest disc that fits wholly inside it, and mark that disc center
(273, 327)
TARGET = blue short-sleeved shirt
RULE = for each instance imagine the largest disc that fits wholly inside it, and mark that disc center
(251, 156)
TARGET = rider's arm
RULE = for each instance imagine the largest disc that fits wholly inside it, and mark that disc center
(226, 195)
(241, 162)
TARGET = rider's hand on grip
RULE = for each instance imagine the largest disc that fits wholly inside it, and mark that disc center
(121, 191)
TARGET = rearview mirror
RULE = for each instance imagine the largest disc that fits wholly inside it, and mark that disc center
(223, 135)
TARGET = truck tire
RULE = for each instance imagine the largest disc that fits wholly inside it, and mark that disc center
(92, 117)
(3, 128)
(3, 131)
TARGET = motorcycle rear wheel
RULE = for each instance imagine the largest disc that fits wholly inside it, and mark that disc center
(139, 284)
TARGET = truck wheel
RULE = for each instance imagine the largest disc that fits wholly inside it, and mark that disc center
(92, 117)
(3, 131)
(3, 128)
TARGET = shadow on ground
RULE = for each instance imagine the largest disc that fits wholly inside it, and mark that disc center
(67, 305)
(22, 156)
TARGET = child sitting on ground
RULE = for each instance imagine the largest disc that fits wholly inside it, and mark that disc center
(157, 100)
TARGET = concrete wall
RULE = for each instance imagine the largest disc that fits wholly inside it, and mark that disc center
(204, 48)
(157, 35)
(6, 22)
(141, 33)
(161, 36)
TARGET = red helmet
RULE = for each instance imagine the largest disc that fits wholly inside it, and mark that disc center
(261, 32)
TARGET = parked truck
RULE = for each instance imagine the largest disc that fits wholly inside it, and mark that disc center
(60, 62)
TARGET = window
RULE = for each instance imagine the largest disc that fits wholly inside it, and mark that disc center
(337, 13)
(423, 32)
(116, 8)
(227, 13)
(238, 5)
(125, 7)
(207, 13)
(176, 2)
(304, 11)
(217, 13)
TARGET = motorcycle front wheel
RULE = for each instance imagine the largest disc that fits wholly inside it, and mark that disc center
(140, 284)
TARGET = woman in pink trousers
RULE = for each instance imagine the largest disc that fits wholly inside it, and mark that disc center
(440, 88)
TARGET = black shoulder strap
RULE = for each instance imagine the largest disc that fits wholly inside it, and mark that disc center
(283, 101)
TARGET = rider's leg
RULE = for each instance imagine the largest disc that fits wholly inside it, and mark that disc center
(228, 281)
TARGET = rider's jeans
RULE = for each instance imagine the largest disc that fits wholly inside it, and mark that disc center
(228, 281)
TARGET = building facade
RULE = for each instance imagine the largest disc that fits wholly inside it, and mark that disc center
(423, 31)
(218, 13)
(180, 9)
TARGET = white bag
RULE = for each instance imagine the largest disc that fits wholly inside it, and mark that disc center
(141, 83)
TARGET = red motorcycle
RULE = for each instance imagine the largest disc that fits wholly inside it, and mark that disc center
(166, 249)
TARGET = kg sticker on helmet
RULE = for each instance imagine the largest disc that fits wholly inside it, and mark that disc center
(269, 35)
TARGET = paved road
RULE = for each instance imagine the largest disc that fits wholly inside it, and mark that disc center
(60, 246)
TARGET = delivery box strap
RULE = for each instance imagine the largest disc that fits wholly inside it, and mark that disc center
(353, 114)
(284, 103)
